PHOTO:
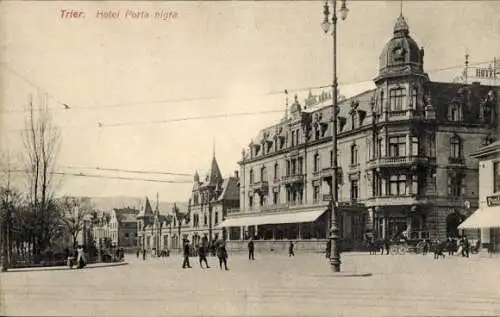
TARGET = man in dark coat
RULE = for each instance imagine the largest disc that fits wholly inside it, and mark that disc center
(186, 255)
(251, 249)
(222, 254)
(290, 250)
(202, 253)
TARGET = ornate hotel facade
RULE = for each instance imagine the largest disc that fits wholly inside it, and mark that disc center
(403, 151)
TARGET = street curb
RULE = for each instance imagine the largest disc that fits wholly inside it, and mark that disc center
(64, 268)
(342, 274)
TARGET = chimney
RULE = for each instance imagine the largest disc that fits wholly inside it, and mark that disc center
(236, 174)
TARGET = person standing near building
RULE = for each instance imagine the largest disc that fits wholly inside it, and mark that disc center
(386, 246)
(143, 254)
(290, 249)
(222, 254)
(137, 253)
(185, 263)
(251, 249)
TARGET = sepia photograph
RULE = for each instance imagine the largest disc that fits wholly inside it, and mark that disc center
(250, 158)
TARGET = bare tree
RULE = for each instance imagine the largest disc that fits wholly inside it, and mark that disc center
(41, 140)
(74, 211)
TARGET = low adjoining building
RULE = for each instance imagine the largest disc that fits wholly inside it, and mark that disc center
(487, 218)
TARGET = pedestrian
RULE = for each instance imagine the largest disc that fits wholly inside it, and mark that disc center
(386, 246)
(138, 253)
(426, 247)
(80, 258)
(290, 250)
(222, 254)
(143, 254)
(251, 249)
(466, 249)
(202, 253)
(185, 263)
(449, 246)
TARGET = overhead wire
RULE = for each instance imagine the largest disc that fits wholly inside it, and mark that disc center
(65, 106)
(124, 170)
(109, 177)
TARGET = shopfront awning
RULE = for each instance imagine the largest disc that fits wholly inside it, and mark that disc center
(487, 217)
(277, 218)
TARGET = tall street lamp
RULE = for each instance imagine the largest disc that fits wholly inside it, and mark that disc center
(334, 229)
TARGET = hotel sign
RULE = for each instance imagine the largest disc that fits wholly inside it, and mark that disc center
(493, 200)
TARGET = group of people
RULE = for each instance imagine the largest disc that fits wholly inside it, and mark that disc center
(221, 252)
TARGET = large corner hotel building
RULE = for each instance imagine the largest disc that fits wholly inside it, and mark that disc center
(404, 159)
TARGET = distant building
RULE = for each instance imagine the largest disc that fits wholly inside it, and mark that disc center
(117, 227)
(487, 217)
(403, 151)
(211, 199)
(153, 229)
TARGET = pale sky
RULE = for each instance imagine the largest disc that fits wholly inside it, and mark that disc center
(239, 52)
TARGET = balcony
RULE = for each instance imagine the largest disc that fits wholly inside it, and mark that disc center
(327, 172)
(394, 161)
(293, 179)
(403, 200)
(456, 161)
(261, 187)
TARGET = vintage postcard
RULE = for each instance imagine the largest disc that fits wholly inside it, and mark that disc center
(249, 158)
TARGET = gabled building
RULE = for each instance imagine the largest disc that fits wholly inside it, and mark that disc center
(116, 227)
(154, 229)
(211, 198)
(403, 151)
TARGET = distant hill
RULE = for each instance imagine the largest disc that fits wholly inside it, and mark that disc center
(135, 202)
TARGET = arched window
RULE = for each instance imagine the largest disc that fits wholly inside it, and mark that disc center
(316, 162)
(251, 177)
(276, 171)
(263, 174)
(354, 154)
(455, 147)
(397, 98)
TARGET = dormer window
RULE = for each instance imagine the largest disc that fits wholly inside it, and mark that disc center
(397, 98)
(354, 119)
(454, 113)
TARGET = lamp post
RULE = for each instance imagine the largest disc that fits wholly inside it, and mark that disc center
(334, 228)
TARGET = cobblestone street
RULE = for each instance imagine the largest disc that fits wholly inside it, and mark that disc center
(270, 285)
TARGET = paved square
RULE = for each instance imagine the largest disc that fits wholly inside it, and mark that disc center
(273, 284)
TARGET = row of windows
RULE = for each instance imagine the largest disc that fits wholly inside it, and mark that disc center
(397, 147)
(398, 98)
(196, 220)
